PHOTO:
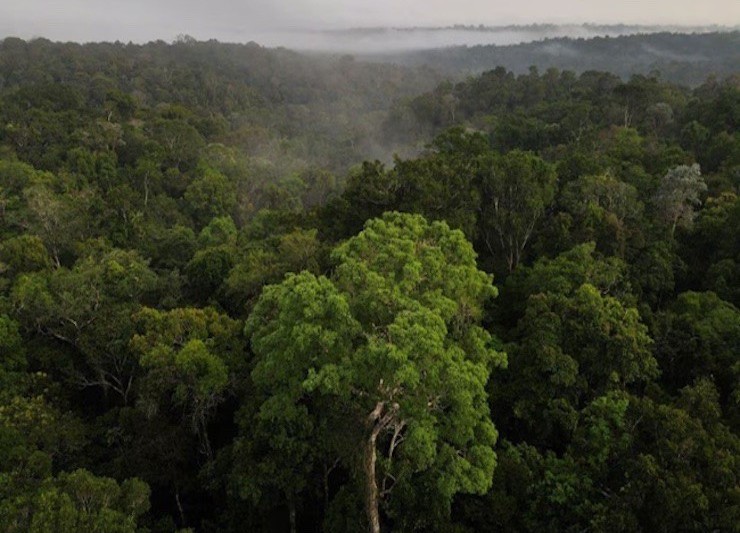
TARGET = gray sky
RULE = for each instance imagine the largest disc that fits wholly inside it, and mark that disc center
(242, 20)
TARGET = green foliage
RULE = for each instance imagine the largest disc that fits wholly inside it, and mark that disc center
(562, 275)
(141, 183)
(312, 326)
(388, 350)
(11, 346)
(605, 210)
(210, 195)
(188, 355)
(572, 341)
(208, 269)
(711, 248)
(13, 363)
(220, 231)
(678, 195)
(516, 190)
(441, 185)
(633, 462)
(698, 336)
(268, 260)
(569, 348)
(25, 253)
(88, 309)
(66, 301)
(78, 501)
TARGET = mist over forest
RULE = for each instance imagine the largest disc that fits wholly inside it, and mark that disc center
(685, 59)
(379, 40)
(369, 277)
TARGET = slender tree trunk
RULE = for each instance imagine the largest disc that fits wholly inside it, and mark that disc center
(326, 488)
(55, 257)
(202, 431)
(179, 507)
(291, 512)
(371, 483)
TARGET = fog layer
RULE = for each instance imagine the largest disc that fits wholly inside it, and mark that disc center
(287, 22)
(389, 40)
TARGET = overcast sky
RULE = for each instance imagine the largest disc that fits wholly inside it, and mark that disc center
(143, 20)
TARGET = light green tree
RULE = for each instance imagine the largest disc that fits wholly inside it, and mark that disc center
(186, 354)
(387, 358)
(678, 196)
(81, 501)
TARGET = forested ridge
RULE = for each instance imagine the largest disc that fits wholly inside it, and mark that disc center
(225, 306)
(680, 57)
(273, 103)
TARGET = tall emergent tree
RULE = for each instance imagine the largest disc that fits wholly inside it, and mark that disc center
(515, 193)
(387, 362)
(678, 196)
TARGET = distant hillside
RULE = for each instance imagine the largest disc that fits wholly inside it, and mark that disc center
(687, 59)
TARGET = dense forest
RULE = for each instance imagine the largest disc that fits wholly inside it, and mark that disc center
(225, 306)
(682, 58)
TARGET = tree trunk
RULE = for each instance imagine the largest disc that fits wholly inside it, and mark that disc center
(326, 489)
(371, 483)
(179, 507)
(291, 511)
(201, 428)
